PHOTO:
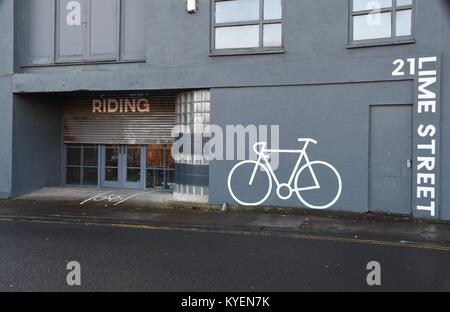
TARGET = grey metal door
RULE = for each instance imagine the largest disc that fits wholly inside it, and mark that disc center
(390, 159)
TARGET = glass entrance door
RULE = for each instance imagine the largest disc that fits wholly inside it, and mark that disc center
(123, 166)
(160, 167)
(111, 175)
(133, 166)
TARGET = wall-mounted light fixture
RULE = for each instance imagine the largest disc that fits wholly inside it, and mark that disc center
(192, 6)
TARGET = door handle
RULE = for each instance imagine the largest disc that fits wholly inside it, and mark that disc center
(409, 163)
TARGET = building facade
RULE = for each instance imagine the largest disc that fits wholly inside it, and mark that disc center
(318, 104)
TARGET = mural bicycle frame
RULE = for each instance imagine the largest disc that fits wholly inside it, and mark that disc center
(292, 186)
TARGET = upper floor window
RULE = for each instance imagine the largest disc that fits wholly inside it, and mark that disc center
(62, 31)
(247, 25)
(381, 21)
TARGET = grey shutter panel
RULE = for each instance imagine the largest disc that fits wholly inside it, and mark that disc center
(38, 19)
(81, 125)
(103, 29)
(70, 39)
(134, 30)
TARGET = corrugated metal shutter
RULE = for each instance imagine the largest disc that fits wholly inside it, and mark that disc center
(81, 125)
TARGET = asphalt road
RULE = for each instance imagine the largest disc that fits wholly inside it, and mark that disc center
(33, 257)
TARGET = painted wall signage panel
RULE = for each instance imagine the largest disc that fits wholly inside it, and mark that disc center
(427, 115)
(255, 172)
(427, 90)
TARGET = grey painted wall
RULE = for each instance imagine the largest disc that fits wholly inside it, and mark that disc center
(178, 46)
(7, 37)
(5, 135)
(337, 116)
(445, 118)
(37, 143)
(6, 70)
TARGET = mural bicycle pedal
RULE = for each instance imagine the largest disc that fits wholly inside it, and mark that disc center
(250, 169)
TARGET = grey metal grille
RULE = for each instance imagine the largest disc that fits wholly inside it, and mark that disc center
(81, 125)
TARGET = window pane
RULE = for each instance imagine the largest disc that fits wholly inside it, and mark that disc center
(73, 176)
(155, 156)
(90, 157)
(133, 175)
(170, 163)
(150, 179)
(155, 178)
(90, 176)
(272, 35)
(159, 178)
(237, 37)
(362, 5)
(74, 156)
(112, 156)
(372, 26)
(198, 107)
(111, 174)
(170, 180)
(404, 21)
(200, 118)
(272, 9)
(134, 156)
(237, 11)
(404, 2)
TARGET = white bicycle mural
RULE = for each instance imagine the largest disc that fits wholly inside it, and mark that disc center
(263, 165)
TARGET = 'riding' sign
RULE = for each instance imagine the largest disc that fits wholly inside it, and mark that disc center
(111, 106)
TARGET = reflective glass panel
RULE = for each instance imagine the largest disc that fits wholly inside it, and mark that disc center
(237, 37)
(372, 26)
(237, 11)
